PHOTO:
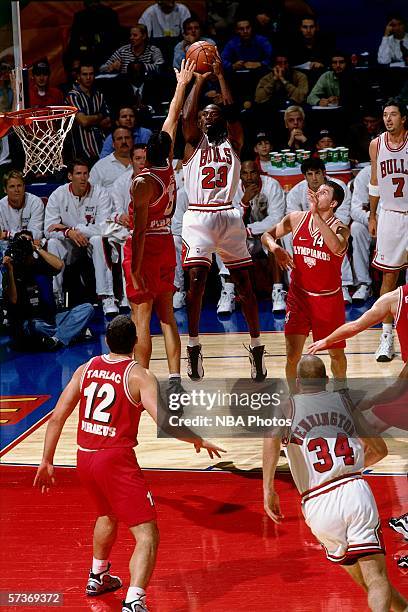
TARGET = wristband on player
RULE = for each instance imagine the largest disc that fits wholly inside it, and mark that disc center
(373, 190)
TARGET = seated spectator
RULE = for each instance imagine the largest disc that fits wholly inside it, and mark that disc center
(40, 93)
(263, 148)
(266, 17)
(92, 117)
(221, 17)
(360, 260)
(31, 310)
(295, 136)
(148, 58)
(165, 19)
(310, 46)
(394, 45)
(362, 133)
(327, 90)
(191, 34)
(71, 68)
(142, 93)
(109, 168)
(314, 171)
(323, 140)
(246, 52)
(74, 215)
(263, 203)
(126, 117)
(282, 85)
(20, 210)
(95, 32)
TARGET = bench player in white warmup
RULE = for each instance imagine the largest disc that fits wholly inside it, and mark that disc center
(389, 181)
(211, 224)
(326, 457)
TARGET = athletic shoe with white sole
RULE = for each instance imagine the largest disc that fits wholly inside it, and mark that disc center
(278, 300)
(226, 303)
(102, 583)
(137, 605)
(109, 306)
(195, 368)
(400, 525)
(257, 361)
(385, 351)
(179, 299)
(362, 293)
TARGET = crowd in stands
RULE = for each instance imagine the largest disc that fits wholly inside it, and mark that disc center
(293, 90)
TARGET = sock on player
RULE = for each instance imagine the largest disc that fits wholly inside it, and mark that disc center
(134, 593)
(255, 342)
(387, 328)
(99, 565)
(193, 341)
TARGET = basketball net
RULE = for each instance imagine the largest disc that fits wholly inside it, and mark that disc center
(42, 133)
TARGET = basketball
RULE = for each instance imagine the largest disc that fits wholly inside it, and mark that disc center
(203, 54)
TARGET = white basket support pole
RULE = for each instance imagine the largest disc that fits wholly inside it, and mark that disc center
(18, 54)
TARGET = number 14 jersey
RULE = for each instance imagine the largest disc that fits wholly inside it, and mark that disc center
(211, 175)
(108, 415)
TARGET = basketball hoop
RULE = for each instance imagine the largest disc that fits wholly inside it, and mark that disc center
(42, 132)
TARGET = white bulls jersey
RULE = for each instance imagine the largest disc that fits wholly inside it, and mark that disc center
(392, 174)
(211, 175)
(323, 445)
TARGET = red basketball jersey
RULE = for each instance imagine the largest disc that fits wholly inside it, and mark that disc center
(317, 270)
(108, 416)
(401, 321)
(161, 210)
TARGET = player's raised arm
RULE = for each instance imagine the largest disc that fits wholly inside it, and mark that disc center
(183, 76)
(65, 406)
(270, 458)
(373, 190)
(374, 315)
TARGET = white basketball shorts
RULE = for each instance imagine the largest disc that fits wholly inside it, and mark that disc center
(391, 252)
(222, 232)
(345, 521)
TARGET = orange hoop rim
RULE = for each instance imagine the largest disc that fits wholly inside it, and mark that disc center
(27, 116)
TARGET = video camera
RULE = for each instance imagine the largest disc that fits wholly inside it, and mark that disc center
(20, 247)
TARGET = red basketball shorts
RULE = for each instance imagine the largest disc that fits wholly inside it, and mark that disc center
(158, 266)
(320, 314)
(116, 485)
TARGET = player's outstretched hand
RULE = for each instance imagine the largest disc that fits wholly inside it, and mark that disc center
(212, 449)
(317, 346)
(283, 258)
(44, 478)
(272, 507)
(312, 199)
(186, 72)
